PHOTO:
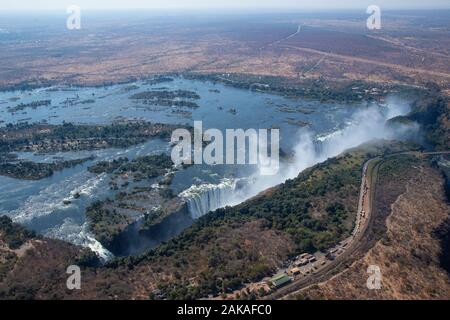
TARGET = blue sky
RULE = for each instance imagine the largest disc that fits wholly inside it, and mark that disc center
(205, 4)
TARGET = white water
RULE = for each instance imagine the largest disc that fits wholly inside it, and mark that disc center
(204, 198)
(75, 233)
(366, 125)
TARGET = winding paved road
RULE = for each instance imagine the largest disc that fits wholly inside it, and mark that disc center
(359, 243)
(370, 170)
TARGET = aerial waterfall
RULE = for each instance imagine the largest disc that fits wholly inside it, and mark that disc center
(204, 198)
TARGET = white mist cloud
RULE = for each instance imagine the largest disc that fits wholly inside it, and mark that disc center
(204, 4)
(365, 125)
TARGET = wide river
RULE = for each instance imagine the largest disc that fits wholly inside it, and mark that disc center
(42, 205)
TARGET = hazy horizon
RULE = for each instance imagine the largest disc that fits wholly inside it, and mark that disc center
(45, 5)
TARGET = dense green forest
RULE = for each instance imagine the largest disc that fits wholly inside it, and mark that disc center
(144, 167)
(29, 170)
(107, 219)
(68, 136)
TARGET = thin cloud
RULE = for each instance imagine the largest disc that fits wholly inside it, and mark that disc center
(208, 4)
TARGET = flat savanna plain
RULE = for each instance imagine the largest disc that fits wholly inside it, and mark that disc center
(410, 48)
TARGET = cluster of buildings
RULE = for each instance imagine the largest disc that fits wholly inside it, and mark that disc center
(302, 265)
(306, 263)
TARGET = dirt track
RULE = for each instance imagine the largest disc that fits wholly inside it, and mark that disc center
(351, 59)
